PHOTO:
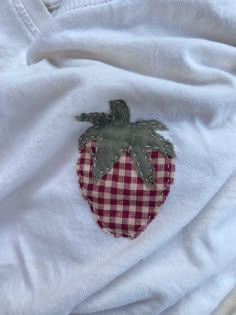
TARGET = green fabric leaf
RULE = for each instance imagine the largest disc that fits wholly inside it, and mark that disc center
(151, 124)
(107, 153)
(142, 164)
(169, 149)
(114, 134)
(158, 142)
(91, 134)
(149, 139)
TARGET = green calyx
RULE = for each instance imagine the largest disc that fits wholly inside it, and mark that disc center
(114, 134)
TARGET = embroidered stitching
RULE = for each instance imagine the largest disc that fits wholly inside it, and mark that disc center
(25, 17)
(125, 169)
(108, 188)
(114, 134)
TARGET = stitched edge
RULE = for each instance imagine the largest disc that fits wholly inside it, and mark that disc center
(25, 17)
(54, 6)
(78, 4)
(131, 139)
(104, 227)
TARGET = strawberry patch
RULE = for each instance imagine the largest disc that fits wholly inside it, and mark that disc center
(125, 170)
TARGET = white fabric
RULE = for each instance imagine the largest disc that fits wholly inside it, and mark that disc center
(228, 305)
(171, 60)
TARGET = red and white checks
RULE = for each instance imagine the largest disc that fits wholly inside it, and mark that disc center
(120, 202)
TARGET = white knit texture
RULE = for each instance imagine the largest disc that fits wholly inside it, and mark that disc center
(174, 61)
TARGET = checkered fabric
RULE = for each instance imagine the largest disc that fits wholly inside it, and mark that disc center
(120, 202)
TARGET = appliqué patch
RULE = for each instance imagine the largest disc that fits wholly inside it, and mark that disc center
(125, 170)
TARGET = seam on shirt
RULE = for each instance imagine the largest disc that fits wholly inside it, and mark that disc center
(25, 17)
(53, 6)
(76, 4)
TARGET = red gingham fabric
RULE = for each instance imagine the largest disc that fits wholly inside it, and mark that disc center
(120, 201)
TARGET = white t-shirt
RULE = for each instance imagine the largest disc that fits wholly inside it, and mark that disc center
(170, 60)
